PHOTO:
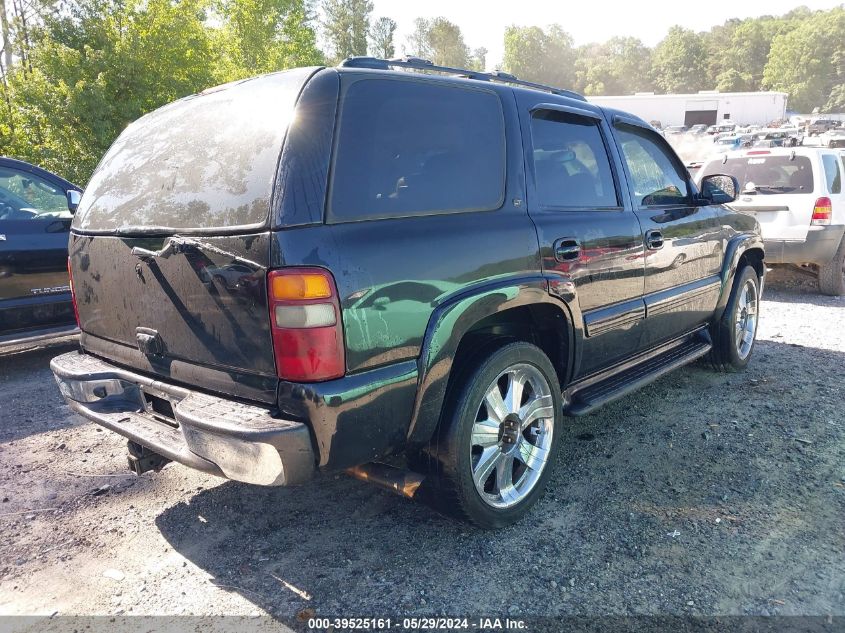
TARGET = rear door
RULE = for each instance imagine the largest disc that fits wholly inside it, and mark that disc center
(34, 225)
(683, 241)
(588, 238)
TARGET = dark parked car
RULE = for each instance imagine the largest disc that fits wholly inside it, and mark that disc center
(35, 299)
(820, 126)
(450, 265)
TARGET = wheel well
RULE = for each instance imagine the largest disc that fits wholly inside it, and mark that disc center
(543, 325)
(753, 257)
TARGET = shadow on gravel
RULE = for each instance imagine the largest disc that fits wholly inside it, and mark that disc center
(703, 493)
(29, 396)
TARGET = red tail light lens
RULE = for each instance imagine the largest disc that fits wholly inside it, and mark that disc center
(306, 324)
(72, 292)
(822, 212)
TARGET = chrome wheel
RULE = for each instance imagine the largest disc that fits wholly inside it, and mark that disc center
(512, 436)
(745, 319)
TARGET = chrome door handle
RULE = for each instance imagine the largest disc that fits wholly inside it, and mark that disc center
(567, 249)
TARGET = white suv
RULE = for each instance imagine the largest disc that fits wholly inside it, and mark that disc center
(796, 195)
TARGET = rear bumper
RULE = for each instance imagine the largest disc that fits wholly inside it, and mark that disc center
(819, 247)
(212, 434)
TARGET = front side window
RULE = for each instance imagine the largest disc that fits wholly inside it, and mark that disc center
(409, 147)
(571, 166)
(656, 178)
(832, 173)
(25, 196)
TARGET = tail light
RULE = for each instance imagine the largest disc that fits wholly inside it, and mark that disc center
(72, 292)
(306, 325)
(822, 211)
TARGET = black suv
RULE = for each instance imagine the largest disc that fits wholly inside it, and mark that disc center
(320, 268)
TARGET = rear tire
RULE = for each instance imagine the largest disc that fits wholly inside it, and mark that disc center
(832, 274)
(495, 448)
(735, 333)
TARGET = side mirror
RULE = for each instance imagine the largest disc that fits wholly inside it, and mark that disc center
(73, 198)
(719, 189)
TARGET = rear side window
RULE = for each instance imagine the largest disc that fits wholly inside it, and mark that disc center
(413, 147)
(766, 174)
(571, 166)
(832, 173)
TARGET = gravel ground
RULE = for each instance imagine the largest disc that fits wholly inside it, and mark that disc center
(703, 493)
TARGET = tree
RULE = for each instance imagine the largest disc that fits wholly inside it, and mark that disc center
(419, 44)
(439, 40)
(347, 23)
(6, 34)
(381, 38)
(808, 62)
(259, 36)
(679, 62)
(619, 66)
(478, 59)
(447, 44)
(542, 56)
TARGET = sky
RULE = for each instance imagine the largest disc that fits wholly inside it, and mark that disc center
(484, 23)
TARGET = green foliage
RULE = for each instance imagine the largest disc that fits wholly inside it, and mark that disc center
(347, 24)
(478, 59)
(809, 62)
(381, 38)
(680, 61)
(439, 40)
(617, 67)
(544, 56)
(260, 36)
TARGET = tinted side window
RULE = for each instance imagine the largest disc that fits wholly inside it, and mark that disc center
(655, 175)
(832, 173)
(413, 147)
(25, 196)
(571, 166)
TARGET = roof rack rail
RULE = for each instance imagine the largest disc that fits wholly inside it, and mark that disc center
(417, 63)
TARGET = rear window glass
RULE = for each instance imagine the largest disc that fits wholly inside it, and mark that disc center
(571, 166)
(206, 161)
(832, 173)
(413, 147)
(767, 174)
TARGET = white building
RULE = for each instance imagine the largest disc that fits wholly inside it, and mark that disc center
(708, 106)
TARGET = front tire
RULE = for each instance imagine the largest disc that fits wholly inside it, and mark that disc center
(498, 438)
(832, 274)
(735, 334)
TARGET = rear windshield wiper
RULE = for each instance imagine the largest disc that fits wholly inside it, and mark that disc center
(176, 245)
(779, 188)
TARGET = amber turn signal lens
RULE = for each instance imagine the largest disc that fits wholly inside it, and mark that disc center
(300, 286)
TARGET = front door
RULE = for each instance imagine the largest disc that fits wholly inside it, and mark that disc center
(590, 242)
(683, 239)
